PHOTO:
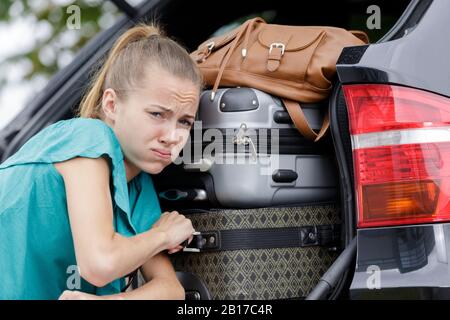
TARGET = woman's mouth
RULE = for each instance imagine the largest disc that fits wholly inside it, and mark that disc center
(163, 154)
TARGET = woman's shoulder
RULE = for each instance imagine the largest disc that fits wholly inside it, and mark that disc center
(84, 126)
(75, 130)
(66, 139)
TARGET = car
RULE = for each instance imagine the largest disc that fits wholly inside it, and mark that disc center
(389, 124)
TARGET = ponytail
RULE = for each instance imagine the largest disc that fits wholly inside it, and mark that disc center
(124, 67)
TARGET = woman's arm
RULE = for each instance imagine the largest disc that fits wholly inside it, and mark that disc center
(102, 254)
(162, 284)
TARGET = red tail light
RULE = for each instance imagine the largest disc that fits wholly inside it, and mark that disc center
(401, 152)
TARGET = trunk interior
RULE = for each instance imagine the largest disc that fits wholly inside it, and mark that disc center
(247, 274)
(256, 273)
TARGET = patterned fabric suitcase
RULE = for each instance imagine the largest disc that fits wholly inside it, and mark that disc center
(265, 253)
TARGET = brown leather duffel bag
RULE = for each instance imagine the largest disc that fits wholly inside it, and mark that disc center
(295, 63)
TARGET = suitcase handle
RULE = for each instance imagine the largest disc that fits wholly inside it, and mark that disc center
(202, 241)
(183, 194)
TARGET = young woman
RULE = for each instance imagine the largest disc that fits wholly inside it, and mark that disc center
(78, 210)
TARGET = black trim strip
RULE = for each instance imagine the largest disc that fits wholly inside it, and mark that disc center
(267, 238)
(125, 7)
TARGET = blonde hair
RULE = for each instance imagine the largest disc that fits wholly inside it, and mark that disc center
(142, 45)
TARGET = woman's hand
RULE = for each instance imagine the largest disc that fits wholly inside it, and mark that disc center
(78, 295)
(177, 228)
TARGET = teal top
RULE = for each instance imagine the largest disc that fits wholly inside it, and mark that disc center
(37, 257)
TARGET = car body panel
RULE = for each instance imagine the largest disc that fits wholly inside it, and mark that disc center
(403, 262)
(414, 60)
(409, 262)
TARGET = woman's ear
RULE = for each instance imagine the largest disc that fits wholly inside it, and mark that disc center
(109, 105)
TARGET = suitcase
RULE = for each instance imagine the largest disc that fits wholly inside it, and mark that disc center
(244, 152)
(264, 253)
(263, 199)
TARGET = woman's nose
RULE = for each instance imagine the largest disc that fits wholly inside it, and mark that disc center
(169, 135)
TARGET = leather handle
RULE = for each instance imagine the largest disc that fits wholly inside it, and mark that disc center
(298, 118)
(361, 35)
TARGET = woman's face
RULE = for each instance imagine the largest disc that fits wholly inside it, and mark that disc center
(153, 122)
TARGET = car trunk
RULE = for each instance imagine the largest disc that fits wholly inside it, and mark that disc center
(191, 23)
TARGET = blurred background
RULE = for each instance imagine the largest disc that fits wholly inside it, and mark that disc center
(35, 42)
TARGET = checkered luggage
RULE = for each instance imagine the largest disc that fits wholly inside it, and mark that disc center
(264, 253)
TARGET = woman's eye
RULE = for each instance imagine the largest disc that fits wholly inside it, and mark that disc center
(186, 123)
(156, 114)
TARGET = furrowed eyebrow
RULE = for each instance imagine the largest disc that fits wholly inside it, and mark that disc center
(189, 116)
(160, 107)
(171, 111)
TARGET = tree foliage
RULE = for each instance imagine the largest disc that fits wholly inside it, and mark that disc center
(44, 58)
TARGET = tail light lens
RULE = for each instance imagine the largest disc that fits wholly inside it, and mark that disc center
(401, 153)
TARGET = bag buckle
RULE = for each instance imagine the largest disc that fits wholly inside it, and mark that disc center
(206, 52)
(210, 46)
(278, 45)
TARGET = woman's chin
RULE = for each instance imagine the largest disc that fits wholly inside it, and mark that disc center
(154, 168)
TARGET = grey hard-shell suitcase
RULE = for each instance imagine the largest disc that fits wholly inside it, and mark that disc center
(248, 154)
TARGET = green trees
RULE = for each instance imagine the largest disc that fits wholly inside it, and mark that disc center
(39, 37)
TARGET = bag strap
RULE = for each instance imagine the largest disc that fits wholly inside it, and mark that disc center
(245, 30)
(298, 117)
(267, 238)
